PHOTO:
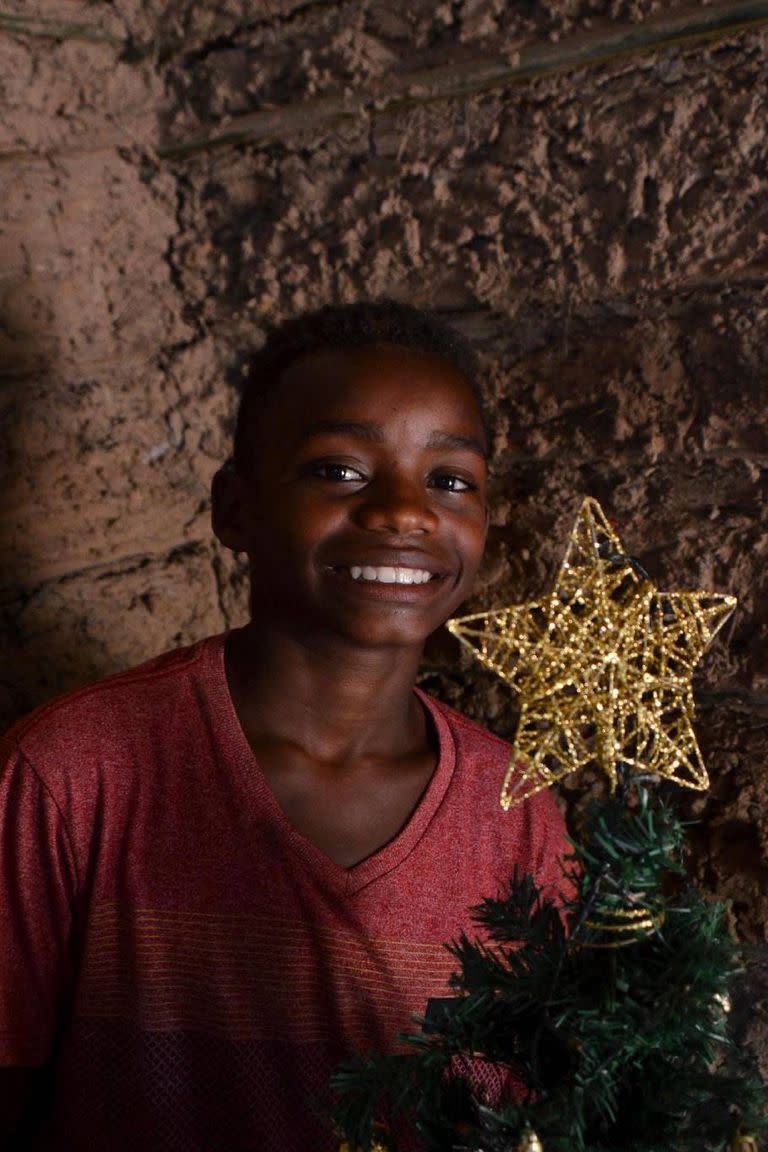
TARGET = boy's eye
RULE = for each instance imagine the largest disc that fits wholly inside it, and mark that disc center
(341, 472)
(449, 482)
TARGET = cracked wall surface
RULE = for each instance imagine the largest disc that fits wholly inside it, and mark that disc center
(599, 233)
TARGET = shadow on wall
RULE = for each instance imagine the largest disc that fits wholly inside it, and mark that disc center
(44, 649)
(106, 551)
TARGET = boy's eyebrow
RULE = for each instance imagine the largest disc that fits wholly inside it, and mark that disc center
(363, 429)
(451, 440)
(367, 430)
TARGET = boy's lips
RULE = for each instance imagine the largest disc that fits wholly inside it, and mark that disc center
(388, 583)
(389, 573)
(393, 575)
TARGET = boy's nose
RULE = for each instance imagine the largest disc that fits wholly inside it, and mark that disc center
(398, 508)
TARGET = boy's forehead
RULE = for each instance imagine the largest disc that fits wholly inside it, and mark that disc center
(358, 377)
(371, 392)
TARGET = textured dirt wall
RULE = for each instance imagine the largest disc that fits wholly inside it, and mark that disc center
(104, 473)
(600, 233)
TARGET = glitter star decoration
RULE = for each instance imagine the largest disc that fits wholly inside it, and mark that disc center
(603, 667)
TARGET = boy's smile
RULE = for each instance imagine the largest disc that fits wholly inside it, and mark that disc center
(363, 505)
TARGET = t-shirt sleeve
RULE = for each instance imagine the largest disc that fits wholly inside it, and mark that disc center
(37, 889)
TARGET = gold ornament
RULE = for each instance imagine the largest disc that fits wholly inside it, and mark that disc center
(723, 1001)
(743, 1142)
(615, 926)
(603, 666)
(529, 1142)
(376, 1145)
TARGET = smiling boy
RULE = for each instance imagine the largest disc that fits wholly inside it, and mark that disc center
(228, 868)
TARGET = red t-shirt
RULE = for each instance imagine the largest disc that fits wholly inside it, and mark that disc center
(192, 967)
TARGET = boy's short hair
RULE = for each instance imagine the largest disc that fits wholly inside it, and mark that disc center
(343, 326)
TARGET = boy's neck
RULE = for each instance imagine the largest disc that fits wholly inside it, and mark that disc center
(336, 702)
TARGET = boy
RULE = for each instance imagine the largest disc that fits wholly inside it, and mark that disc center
(226, 869)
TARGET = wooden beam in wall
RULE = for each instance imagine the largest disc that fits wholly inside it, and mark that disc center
(475, 76)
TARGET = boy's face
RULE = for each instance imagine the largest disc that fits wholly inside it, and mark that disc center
(363, 507)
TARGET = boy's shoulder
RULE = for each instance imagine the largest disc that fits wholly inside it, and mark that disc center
(483, 759)
(99, 714)
(465, 730)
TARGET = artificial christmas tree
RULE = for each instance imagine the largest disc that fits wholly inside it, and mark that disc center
(600, 1025)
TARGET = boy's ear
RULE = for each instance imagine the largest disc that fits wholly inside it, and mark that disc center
(229, 508)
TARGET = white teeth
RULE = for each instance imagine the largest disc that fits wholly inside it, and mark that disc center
(388, 575)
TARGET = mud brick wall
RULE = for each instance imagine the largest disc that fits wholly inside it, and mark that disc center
(174, 175)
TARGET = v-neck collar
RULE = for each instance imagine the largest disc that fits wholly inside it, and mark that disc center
(237, 752)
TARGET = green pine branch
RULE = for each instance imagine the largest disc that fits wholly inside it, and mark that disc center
(598, 1047)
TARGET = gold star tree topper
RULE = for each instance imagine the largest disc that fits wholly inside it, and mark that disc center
(603, 666)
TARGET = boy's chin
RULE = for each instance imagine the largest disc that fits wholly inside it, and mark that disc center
(369, 640)
(388, 614)
(372, 633)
